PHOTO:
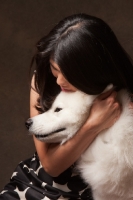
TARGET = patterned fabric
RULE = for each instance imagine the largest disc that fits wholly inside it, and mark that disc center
(29, 181)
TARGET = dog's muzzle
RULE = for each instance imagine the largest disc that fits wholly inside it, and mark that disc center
(28, 123)
(41, 136)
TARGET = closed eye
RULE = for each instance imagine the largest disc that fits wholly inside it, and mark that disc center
(57, 109)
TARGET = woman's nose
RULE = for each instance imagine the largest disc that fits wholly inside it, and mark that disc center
(61, 80)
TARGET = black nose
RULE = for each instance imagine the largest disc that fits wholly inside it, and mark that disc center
(28, 123)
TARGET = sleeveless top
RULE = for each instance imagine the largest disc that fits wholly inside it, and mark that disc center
(30, 181)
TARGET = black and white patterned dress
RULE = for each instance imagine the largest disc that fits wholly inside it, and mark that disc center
(29, 181)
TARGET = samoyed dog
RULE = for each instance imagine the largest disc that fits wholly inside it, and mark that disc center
(107, 165)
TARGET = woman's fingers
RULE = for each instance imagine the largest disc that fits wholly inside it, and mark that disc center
(109, 98)
(105, 95)
(105, 110)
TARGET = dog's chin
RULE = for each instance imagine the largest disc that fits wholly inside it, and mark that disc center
(53, 137)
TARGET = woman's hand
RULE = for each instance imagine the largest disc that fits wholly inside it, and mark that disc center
(104, 112)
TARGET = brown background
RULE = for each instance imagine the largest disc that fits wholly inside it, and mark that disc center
(22, 23)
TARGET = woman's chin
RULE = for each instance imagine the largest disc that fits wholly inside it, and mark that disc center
(65, 90)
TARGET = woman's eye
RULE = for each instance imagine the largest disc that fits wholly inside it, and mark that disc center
(57, 109)
(54, 72)
(53, 68)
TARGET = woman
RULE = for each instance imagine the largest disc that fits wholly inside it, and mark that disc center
(80, 53)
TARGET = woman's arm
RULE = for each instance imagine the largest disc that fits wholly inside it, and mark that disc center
(55, 158)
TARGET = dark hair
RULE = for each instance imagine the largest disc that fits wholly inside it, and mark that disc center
(88, 54)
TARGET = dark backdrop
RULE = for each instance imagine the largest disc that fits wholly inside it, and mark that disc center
(22, 23)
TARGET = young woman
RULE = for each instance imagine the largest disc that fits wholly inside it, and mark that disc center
(80, 53)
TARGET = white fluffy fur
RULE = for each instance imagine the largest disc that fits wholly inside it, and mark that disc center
(107, 165)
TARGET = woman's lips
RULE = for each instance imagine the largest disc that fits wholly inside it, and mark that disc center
(65, 90)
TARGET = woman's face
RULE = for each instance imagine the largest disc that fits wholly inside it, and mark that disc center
(60, 79)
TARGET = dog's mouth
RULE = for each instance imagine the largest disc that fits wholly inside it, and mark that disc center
(46, 135)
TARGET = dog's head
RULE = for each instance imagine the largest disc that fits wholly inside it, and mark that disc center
(65, 117)
(67, 114)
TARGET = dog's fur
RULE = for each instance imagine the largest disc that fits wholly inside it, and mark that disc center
(107, 165)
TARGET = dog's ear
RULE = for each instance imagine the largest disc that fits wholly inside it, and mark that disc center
(109, 87)
(57, 109)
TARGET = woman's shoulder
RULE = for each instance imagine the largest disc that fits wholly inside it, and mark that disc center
(33, 98)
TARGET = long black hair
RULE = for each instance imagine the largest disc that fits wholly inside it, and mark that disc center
(88, 54)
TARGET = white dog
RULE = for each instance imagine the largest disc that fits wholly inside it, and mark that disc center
(107, 165)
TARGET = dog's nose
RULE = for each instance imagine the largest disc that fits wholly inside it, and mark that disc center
(28, 123)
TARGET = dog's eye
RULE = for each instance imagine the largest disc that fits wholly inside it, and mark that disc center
(57, 109)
